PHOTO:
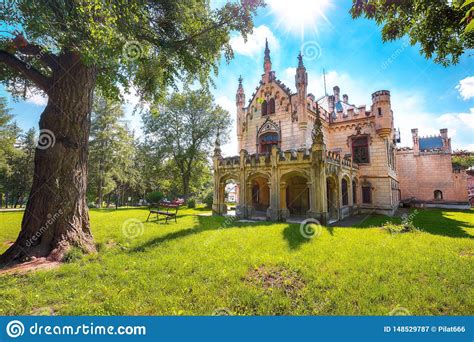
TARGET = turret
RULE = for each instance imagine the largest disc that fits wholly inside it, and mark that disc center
(443, 132)
(301, 82)
(382, 110)
(240, 103)
(268, 75)
(416, 141)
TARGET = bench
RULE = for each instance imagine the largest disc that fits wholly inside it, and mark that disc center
(167, 209)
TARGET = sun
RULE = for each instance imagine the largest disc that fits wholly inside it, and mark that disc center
(300, 16)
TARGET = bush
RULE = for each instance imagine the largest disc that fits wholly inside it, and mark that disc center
(404, 227)
(154, 197)
(208, 199)
(191, 203)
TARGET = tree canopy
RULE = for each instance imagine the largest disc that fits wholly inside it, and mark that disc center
(147, 44)
(183, 130)
(442, 28)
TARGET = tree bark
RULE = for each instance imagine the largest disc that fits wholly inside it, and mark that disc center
(56, 216)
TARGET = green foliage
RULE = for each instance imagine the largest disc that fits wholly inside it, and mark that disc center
(404, 227)
(437, 25)
(112, 156)
(191, 203)
(154, 197)
(182, 132)
(463, 159)
(151, 45)
(208, 199)
(197, 266)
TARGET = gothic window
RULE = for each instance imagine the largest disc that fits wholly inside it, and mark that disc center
(438, 195)
(271, 105)
(264, 107)
(267, 140)
(366, 194)
(354, 192)
(360, 150)
(345, 194)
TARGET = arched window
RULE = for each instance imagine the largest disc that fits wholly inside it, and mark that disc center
(366, 194)
(354, 192)
(271, 105)
(438, 195)
(264, 107)
(267, 140)
(345, 194)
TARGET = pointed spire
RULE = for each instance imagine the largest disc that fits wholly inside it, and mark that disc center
(267, 50)
(240, 82)
(217, 146)
(267, 62)
(300, 61)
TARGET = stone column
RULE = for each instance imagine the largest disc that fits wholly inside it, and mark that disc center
(284, 212)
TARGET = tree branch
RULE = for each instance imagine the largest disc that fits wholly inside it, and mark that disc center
(38, 52)
(26, 70)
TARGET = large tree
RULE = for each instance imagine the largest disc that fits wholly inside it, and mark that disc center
(183, 129)
(442, 28)
(67, 49)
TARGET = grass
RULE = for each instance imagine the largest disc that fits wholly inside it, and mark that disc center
(203, 265)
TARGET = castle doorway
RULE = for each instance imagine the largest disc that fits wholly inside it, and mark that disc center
(260, 194)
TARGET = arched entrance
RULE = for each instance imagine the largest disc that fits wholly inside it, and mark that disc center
(227, 194)
(258, 195)
(295, 194)
(332, 199)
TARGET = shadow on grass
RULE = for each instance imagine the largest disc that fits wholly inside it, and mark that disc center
(432, 221)
(204, 223)
(295, 238)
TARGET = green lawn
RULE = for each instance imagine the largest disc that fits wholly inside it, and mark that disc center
(203, 264)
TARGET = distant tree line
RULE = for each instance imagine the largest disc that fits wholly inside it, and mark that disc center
(171, 160)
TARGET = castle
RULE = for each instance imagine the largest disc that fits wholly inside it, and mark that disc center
(323, 158)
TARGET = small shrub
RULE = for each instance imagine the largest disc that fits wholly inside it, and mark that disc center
(208, 199)
(404, 227)
(154, 197)
(191, 203)
(73, 254)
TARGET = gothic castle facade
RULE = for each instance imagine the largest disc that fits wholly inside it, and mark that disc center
(323, 157)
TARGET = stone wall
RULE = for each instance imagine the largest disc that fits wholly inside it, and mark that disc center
(420, 175)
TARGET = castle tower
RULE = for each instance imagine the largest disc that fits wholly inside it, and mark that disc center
(443, 132)
(382, 110)
(301, 83)
(240, 103)
(416, 141)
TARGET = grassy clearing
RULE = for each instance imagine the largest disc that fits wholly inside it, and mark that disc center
(204, 264)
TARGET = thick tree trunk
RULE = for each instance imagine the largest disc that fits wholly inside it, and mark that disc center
(56, 216)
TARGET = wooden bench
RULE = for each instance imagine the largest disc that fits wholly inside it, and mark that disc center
(167, 209)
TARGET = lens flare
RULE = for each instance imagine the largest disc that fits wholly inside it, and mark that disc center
(300, 16)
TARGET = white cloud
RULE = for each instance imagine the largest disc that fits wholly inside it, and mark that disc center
(230, 148)
(37, 100)
(466, 88)
(255, 42)
(357, 95)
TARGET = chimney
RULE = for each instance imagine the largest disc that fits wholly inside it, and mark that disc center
(443, 132)
(336, 92)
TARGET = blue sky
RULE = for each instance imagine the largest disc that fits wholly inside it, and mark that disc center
(424, 95)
